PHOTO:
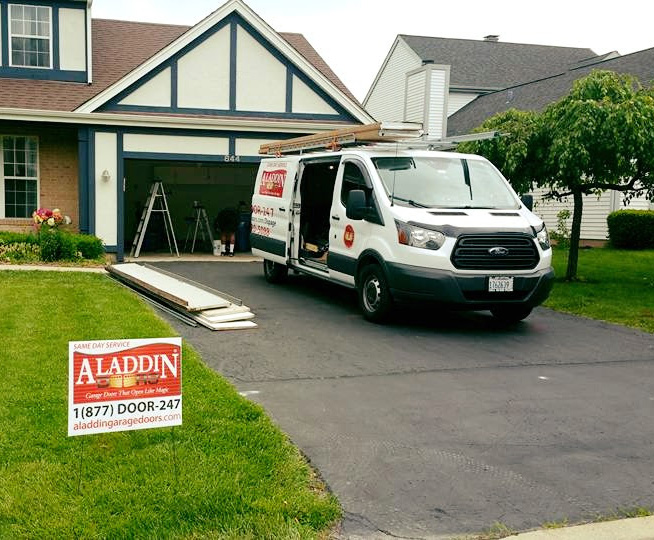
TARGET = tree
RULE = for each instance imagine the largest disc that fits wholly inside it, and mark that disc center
(599, 137)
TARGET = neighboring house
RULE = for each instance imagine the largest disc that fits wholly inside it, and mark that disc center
(535, 96)
(93, 111)
(427, 79)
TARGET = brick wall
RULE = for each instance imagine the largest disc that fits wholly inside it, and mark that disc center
(58, 170)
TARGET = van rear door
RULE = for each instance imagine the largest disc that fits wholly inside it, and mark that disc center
(271, 208)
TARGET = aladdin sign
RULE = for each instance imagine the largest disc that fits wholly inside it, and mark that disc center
(124, 385)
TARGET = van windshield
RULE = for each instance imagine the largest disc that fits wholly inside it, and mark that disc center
(436, 182)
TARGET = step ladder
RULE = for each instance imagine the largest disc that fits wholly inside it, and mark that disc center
(199, 224)
(155, 203)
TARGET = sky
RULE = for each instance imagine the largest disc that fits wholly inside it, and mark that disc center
(354, 36)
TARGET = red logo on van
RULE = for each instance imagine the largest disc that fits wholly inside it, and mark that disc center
(348, 236)
(272, 183)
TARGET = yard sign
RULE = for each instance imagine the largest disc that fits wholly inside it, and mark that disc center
(121, 385)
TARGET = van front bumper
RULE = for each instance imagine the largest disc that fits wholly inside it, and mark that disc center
(461, 291)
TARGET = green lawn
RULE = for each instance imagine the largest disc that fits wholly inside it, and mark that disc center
(613, 285)
(237, 474)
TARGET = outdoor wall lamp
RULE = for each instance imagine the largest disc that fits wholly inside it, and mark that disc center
(106, 176)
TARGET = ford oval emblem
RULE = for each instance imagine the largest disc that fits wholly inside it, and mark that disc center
(498, 251)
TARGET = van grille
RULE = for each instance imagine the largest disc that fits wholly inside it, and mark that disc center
(473, 252)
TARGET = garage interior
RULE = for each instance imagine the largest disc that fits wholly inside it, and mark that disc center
(188, 185)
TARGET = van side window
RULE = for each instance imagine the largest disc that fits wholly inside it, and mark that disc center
(353, 178)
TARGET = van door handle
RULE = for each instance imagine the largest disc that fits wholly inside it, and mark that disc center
(336, 218)
(282, 209)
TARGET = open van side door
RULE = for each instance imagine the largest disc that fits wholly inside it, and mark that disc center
(271, 209)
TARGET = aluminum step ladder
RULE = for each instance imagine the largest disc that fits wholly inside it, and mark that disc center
(200, 224)
(155, 203)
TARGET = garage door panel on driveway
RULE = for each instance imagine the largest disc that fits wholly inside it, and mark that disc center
(443, 423)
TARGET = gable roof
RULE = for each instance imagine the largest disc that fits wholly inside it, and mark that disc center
(242, 10)
(536, 95)
(491, 65)
(118, 48)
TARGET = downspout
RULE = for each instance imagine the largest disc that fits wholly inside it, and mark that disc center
(89, 44)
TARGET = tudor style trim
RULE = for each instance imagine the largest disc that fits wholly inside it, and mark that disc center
(232, 22)
(205, 25)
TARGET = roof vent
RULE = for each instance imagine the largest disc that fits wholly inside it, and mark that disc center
(492, 37)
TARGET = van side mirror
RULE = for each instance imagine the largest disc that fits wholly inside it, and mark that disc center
(356, 204)
(528, 201)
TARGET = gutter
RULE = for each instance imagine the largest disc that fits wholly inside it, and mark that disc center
(152, 121)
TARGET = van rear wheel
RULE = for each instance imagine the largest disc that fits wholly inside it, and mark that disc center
(375, 298)
(511, 314)
(274, 272)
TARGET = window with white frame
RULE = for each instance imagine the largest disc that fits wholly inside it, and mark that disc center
(20, 175)
(30, 29)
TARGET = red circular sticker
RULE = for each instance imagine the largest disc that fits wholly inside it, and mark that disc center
(348, 236)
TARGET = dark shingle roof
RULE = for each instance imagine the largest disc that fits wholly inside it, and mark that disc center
(118, 48)
(536, 95)
(492, 65)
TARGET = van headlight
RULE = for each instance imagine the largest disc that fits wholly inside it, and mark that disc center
(543, 238)
(410, 235)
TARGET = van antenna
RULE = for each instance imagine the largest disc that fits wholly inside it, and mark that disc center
(394, 176)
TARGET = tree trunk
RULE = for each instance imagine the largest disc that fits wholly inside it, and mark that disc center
(575, 235)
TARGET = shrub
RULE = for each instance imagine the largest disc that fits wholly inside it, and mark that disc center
(7, 238)
(89, 246)
(631, 229)
(57, 246)
(562, 233)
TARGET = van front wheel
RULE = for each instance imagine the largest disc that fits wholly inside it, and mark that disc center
(274, 272)
(375, 298)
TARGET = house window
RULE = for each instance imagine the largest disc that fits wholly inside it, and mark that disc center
(31, 31)
(19, 175)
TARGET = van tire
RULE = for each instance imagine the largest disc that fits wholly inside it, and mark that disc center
(274, 272)
(375, 298)
(511, 314)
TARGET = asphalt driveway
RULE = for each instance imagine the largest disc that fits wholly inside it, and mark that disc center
(442, 424)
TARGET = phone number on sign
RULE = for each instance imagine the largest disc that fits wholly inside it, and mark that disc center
(101, 411)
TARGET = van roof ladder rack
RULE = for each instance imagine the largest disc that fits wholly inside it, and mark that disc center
(405, 134)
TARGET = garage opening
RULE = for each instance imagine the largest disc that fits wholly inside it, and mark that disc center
(188, 186)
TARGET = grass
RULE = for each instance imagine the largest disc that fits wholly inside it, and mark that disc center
(612, 285)
(237, 474)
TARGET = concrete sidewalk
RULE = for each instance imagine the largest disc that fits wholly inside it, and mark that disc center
(622, 529)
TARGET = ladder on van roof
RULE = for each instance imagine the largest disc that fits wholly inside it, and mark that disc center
(407, 135)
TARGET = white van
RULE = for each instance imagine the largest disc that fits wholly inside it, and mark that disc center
(402, 224)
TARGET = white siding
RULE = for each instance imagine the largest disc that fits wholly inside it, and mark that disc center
(203, 74)
(458, 100)
(641, 203)
(595, 211)
(386, 100)
(172, 144)
(436, 121)
(72, 39)
(260, 77)
(306, 100)
(154, 93)
(415, 97)
(106, 203)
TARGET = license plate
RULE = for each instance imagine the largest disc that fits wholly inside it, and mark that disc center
(500, 284)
